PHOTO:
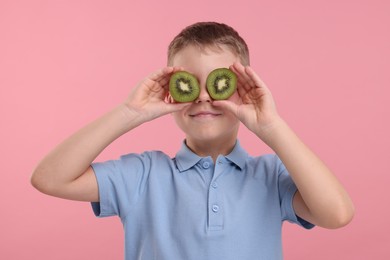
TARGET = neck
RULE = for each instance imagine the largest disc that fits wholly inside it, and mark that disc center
(211, 148)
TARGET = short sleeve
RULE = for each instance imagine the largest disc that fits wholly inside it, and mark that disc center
(120, 183)
(287, 190)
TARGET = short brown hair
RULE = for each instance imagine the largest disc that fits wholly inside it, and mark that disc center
(209, 34)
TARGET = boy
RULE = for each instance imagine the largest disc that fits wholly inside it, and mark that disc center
(213, 200)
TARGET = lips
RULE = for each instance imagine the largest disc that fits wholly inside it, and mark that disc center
(205, 114)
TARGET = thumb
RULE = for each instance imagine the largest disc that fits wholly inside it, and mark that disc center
(174, 107)
(226, 105)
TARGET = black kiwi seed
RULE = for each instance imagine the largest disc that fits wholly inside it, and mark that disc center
(184, 87)
(221, 83)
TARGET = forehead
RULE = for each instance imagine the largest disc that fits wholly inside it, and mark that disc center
(214, 56)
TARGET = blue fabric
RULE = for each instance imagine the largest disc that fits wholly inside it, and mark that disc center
(187, 207)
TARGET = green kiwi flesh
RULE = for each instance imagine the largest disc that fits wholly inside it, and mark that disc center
(221, 83)
(183, 87)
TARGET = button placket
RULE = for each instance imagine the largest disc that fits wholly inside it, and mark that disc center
(216, 216)
(206, 165)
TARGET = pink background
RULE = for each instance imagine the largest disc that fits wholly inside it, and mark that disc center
(64, 63)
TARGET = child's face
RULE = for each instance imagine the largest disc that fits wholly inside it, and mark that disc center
(201, 121)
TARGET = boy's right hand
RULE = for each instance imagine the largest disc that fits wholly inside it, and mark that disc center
(149, 99)
(66, 171)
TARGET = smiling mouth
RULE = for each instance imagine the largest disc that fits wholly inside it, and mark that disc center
(205, 114)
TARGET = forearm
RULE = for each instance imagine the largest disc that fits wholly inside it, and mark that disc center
(325, 198)
(72, 157)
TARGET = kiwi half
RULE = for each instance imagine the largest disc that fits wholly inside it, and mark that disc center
(184, 87)
(221, 83)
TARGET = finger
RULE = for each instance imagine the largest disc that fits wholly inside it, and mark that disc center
(241, 90)
(254, 77)
(160, 78)
(164, 83)
(160, 74)
(175, 107)
(239, 71)
(242, 74)
(164, 79)
(243, 78)
(156, 75)
(176, 69)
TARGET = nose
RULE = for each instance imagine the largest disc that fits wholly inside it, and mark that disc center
(203, 95)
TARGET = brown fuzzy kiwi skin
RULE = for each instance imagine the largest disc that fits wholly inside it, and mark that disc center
(221, 74)
(184, 87)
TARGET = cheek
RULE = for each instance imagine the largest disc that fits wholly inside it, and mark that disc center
(176, 116)
(179, 118)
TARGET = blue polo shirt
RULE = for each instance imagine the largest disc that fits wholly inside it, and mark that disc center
(187, 207)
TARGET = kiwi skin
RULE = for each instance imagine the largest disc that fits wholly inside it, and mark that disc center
(184, 87)
(221, 83)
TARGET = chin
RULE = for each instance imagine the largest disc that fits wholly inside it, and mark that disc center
(214, 137)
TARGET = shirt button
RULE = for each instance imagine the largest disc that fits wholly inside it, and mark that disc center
(215, 208)
(206, 165)
(214, 185)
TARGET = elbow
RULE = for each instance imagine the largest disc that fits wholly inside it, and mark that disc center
(39, 181)
(35, 182)
(346, 217)
(341, 218)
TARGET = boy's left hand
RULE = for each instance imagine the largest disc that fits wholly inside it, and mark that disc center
(255, 107)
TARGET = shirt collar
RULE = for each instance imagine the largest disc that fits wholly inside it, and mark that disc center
(185, 158)
(238, 155)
